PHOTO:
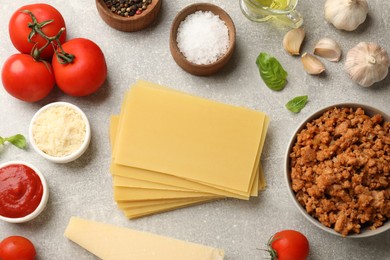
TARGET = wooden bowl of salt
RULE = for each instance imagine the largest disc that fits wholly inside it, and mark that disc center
(202, 39)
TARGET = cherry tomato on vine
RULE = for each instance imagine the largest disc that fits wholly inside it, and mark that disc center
(17, 247)
(288, 245)
(19, 29)
(83, 74)
(27, 79)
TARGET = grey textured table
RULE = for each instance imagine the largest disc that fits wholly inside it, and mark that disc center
(83, 188)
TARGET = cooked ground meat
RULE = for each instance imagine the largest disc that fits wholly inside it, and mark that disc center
(340, 170)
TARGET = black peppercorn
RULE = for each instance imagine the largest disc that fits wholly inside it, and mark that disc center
(127, 8)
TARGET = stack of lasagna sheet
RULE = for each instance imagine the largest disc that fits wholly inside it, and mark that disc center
(171, 150)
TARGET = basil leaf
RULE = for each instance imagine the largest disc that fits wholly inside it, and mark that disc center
(17, 140)
(296, 104)
(272, 73)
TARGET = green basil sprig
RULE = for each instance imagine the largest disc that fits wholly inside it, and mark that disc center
(296, 104)
(272, 73)
(17, 140)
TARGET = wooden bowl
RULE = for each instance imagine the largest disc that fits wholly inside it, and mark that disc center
(129, 24)
(180, 59)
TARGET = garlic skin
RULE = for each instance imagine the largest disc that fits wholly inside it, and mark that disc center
(311, 64)
(346, 14)
(328, 49)
(293, 39)
(367, 63)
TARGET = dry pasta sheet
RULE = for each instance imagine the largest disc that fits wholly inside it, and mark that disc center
(172, 149)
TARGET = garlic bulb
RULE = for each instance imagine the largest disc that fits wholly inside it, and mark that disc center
(311, 64)
(346, 14)
(293, 39)
(367, 63)
(328, 49)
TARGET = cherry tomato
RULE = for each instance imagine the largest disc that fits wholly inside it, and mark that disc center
(289, 245)
(27, 79)
(17, 247)
(19, 30)
(86, 73)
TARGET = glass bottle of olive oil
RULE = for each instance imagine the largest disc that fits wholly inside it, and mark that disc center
(283, 11)
(274, 4)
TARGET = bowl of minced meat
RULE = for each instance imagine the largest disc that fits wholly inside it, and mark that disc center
(338, 170)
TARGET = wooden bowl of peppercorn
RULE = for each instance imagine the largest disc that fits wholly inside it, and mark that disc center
(196, 35)
(128, 15)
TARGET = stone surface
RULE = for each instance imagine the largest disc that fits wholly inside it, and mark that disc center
(83, 188)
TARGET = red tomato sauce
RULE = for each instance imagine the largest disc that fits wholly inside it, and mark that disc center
(21, 190)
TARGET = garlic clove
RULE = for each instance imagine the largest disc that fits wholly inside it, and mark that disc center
(328, 49)
(311, 64)
(346, 14)
(367, 63)
(293, 39)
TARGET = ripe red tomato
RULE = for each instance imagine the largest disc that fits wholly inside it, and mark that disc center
(19, 30)
(86, 73)
(17, 247)
(289, 245)
(27, 79)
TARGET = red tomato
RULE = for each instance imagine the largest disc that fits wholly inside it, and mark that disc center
(289, 245)
(17, 247)
(27, 79)
(86, 73)
(19, 29)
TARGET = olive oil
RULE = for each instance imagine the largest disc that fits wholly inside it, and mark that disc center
(282, 11)
(274, 4)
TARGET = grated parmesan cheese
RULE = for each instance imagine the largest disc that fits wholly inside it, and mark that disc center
(203, 37)
(59, 131)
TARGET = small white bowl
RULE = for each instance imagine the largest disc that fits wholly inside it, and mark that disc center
(75, 154)
(366, 232)
(44, 199)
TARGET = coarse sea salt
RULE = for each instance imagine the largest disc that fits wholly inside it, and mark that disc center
(203, 37)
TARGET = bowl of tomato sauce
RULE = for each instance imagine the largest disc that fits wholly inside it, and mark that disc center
(23, 192)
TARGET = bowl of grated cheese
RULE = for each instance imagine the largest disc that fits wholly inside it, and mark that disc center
(60, 132)
(202, 39)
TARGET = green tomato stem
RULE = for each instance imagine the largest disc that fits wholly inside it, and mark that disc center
(270, 250)
(36, 28)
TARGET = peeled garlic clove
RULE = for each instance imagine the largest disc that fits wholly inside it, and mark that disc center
(293, 39)
(328, 49)
(346, 14)
(311, 64)
(367, 63)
